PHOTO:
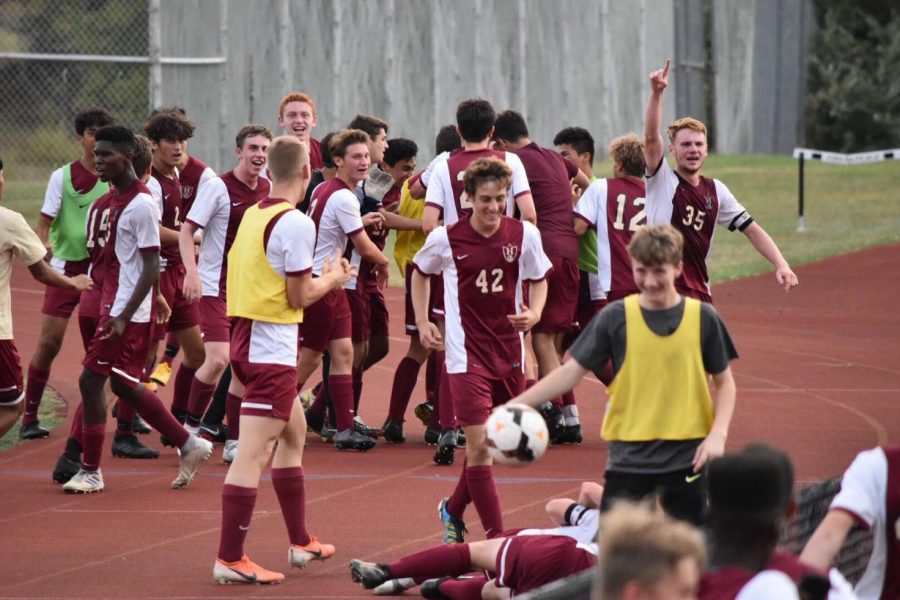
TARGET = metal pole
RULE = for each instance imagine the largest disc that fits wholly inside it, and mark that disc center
(801, 220)
(154, 42)
(223, 89)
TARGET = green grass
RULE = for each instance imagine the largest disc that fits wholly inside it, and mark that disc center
(50, 415)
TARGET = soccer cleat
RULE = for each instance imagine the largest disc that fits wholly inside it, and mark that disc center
(446, 447)
(229, 451)
(84, 482)
(393, 432)
(244, 571)
(166, 441)
(424, 411)
(394, 587)
(454, 528)
(460, 438)
(372, 432)
(556, 424)
(307, 397)
(66, 468)
(138, 425)
(191, 461)
(217, 434)
(327, 433)
(33, 431)
(571, 434)
(128, 446)
(432, 436)
(161, 374)
(369, 574)
(300, 556)
(350, 439)
(431, 588)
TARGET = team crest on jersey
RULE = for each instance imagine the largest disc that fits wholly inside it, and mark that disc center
(510, 252)
(186, 191)
(709, 202)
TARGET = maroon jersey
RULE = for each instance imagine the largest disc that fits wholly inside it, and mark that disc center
(315, 154)
(726, 583)
(167, 192)
(549, 175)
(98, 233)
(189, 177)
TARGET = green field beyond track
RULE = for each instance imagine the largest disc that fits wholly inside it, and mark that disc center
(847, 208)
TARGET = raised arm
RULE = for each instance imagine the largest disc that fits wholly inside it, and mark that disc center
(654, 146)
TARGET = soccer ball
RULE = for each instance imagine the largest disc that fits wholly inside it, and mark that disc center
(516, 435)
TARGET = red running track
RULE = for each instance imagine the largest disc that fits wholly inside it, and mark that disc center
(818, 376)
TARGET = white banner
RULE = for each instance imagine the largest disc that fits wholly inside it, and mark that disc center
(857, 158)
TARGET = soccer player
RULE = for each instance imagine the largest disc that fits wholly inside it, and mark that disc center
(218, 210)
(484, 258)
(663, 429)
(551, 178)
(120, 346)
(269, 283)
(70, 192)
(693, 204)
(297, 117)
(870, 497)
(335, 209)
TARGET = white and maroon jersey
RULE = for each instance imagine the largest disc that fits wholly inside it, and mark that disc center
(445, 188)
(581, 525)
(218, 210)
(425, 178)
(290, 243)
(334, 209)
(870, 492)
(482, 285)
(615, 209)
(694, 211)
(166, 191)
(98, 232)
(194, 174)
(133, 228)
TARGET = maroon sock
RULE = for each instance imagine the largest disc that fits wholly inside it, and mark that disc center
(320, 402)
(184, 381)
(93, 436)
(75, 432)
(529, 383)
(341, 389)
(445, 405)
(447, 559)
(149, 406)
(460, 498)
(568, 399)
(198, 400)
(484, 496)
(34, 391)
(357, 389)
(237, 510)
(404, 383)
(233, 415)
(288, 484)
(464, 588)
(431, 377)
(125, 412)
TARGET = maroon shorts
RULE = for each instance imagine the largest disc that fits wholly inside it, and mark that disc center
(59, 302)
(87, 326)
(10, 374)
(527, 562)
(360, 314)
(125, 355)
(695, 294)
(411, 328)
(378, 313)
(437, 297)
(587, 306)
(562, 297)
(185, 314)
(475, 396)
(214, 322)
(270, 390)
(89, 314)
(326, 320)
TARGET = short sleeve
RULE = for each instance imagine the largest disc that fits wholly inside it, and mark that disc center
(593, 198)
(429, 170)
(157, 193)
(292, 244)
(571, 168)
(717, 346)
(520, 183)
(21, 240)
(145, 222)
(346, 211)
(212, 197)
(660, 186)
(430, 258)
(732, 214)
(436, 192)
(769, 585)
(53, 196)
(593, 347)
(863, 487)
(534, 263)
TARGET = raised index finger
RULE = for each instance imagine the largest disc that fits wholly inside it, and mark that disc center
(665, 72)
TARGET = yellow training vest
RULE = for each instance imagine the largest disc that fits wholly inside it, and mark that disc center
(408, 242)
(255, 289)
(661, 392)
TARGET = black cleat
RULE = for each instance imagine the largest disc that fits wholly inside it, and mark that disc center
(571, 434)
(393, 432)
(372, 432)
(33, 431)
(128, 446)
(432, 436)
(138, 425)
(350, 439)
(431, 588)
(424, 411)
(369, 574)
(65, 469)
(215, 433)
(167, 442)
(460, 438)
(446, 447)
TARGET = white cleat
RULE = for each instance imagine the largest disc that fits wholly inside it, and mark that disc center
(229, 451)
(191, 461)
(394, 587)
(84, 482)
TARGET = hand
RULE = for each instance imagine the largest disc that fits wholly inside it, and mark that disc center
(786, 277)
(659, 79)
(525, 320)
(430, 336)
(382, 274)
(373, 219)
(162, 310)
(712, 447)
(192, 288)
(112, 329)
(82, 282)
(576, 190)
(338, 270)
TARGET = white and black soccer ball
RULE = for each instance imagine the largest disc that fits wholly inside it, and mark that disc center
(516, 434)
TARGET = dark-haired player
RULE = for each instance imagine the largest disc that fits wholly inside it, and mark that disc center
(694, 204)
(120, 346)
(484, 258)
(297, 117)
(218, 210)
(71, 191)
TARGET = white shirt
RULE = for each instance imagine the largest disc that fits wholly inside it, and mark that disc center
(340, 219)
(137, 229)
(211, 211)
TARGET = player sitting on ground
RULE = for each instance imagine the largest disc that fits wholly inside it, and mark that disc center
(655, 446)
(485, 258)
(270, 282)
(694, 204)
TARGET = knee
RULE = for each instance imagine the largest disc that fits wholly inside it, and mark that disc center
(120, 386)
(48, 348)
(12, 411)
(341, 357)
